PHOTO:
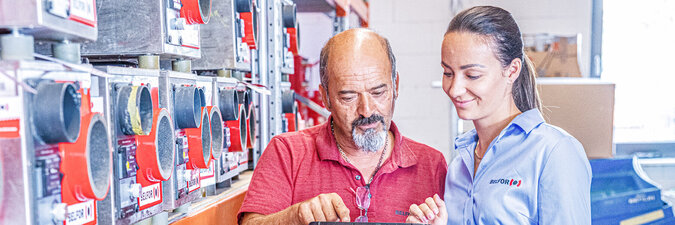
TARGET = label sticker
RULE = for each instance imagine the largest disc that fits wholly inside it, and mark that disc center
(83, 11)
(207, 176)
(59, 8)
(10, 108)
(150, 194)
(81, 213)
(97, 104)
(193, 183)
(206, 173)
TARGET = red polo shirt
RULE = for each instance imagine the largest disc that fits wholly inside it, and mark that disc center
(301, 165)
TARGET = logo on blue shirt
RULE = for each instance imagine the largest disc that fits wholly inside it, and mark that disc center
(509, 182)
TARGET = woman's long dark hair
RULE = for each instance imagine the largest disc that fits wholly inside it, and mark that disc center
(507, 43)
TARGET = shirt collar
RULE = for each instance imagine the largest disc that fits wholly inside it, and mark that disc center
(401, 156)
(527, 121)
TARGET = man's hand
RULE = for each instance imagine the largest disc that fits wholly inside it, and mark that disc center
(324, 207)
(432, 211)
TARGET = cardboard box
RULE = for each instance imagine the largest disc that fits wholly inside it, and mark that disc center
(553, 56)
(582, 107)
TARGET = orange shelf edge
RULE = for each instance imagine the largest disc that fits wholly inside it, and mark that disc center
(221, 212)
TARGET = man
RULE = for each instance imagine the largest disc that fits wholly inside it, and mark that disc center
(356, 166)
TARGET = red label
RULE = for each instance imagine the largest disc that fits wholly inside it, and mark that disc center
(10, 128)
(150, 196)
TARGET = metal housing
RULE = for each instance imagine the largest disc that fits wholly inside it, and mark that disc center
(122, 207)
(221, 41)
(176, 190)
(56, 23)
(29, 163)
(130, 28)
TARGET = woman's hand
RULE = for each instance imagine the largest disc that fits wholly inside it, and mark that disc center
(432, 211)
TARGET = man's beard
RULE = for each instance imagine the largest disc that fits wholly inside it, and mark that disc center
(372, 139)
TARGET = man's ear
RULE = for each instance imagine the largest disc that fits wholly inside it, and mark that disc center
(396, 82)
(513, 70)
(324, 96)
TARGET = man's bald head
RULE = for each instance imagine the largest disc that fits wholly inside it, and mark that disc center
(351, 43)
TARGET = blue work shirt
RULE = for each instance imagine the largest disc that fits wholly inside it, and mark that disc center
(532, 173)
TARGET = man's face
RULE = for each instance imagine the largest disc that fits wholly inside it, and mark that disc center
(360, 93)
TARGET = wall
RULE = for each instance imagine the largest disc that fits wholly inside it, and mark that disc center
(415, 30)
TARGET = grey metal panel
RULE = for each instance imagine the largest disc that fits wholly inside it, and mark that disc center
(218, 39)
(314, 6)
(129, 28)
(43, 25)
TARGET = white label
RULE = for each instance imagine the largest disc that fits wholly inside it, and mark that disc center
(190, 38)
(81, 213)
(243, 157)
(193, 183)
(59, 8)
(207, 175)
(149, 195)
(233, 159)
(97, 104)
(10, 108)
(7, 86)
(85, 9)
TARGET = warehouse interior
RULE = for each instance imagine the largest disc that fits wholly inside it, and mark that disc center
(158, 111)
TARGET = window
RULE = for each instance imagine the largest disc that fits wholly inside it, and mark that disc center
(638, 49)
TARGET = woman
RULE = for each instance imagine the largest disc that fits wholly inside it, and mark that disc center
(513, 168)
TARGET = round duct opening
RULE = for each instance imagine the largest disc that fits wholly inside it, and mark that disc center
(202, 97)
(228, 102)
(243, 128)
(206, 139)
(205, 10)
(251, 127)
(288, 14)
(243, 6)
(217, 136)
(98, 156)
(187, 107)
(287, 101)
(165, 144)
(196, 11)
(244, 99)
(57, 112)
(134, 110)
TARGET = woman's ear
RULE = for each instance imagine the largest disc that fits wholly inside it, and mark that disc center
(513, 70)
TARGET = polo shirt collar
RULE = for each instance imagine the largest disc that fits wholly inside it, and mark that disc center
(401, 156)
(527, 121)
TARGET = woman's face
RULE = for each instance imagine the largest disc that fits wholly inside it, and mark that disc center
(474, 79)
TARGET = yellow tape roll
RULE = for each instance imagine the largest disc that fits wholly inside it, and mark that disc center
(134, 112)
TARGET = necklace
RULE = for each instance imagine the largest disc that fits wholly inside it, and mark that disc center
(344, 156)
(475, 152)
